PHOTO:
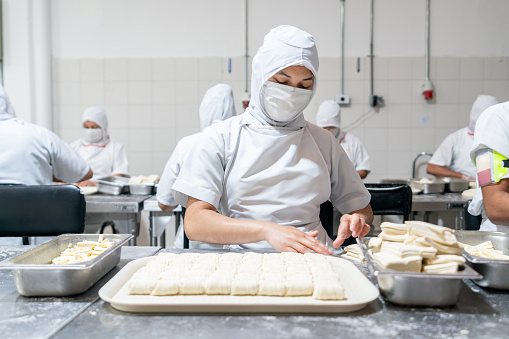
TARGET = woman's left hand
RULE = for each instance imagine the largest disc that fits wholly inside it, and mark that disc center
(351, 225)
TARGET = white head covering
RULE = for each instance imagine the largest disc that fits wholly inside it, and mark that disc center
(480, 104)
(282, 47)
(328, 114)
(217, 105)
(98, 116)
(6, 109)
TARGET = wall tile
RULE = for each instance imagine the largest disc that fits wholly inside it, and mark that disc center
(186, 69)
(139, 70)
(67, 93)
(67, 117)
(399, 139)
(400, 68)
(163, 69)
(378, 162)
(497, 88)
(210, 69)
(140, 116)
(380, 68)
(163, 140)
(495, 68)
(187, 117)
(140, 92)
(399, 92)
(446, 115)
(423, 115)
(469, 90)
(69, 135)
(399, 163)
(159, 161)
(66, 70)
(399, 115)
(354, 71)
(163, 92)
(164, 116)
(471, 68)
(378, 119)
(91, 70)
(441, 133)
(118, 116)
(447, 91)
(186, 93)
(92, 93)
(115, 93)
(375, 139)
(140, 163)
(121, 135)
(235, 71)
(330, 69)
(115, 70)
(140, 140)
(447, 68)
(422, 140)
(355, 89)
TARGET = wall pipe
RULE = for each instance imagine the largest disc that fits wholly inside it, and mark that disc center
(342, 46)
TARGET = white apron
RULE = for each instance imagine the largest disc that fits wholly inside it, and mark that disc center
(99, 158)
(277, 174)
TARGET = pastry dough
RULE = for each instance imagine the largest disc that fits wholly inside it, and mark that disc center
(140, 286)
(244, 287)
(271, 287)
(392, 262)
(166, 287)
(451, 267)
(329, 292)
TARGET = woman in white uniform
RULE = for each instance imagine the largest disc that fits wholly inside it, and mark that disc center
(452, 157)
(106, 156)
(217, 105)
(490, 152)
(329, 118)
(268, 170)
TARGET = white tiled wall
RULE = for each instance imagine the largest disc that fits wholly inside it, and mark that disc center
(152, 103)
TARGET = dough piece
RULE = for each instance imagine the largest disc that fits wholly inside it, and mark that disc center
(244, 287)
(166, 287)
(271, 287)
(445, 259)
(451, 267)
(192, 284)
(469, 194)
(140, 286)
(354, 252)
(329, 292)
(404, 251)
(218, 283)
(442, 235)
(392, 262)
(299, 287)
(375, 244)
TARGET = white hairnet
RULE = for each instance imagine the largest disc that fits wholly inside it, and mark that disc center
(282, 47)
(6, 109)
(328, 114)
(217, 105)
(97, 115)
(480, 104)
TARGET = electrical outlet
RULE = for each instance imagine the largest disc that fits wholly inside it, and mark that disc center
(342, 99)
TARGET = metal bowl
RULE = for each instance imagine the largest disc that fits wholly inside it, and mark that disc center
(143, 189)
(113, 185)
(455, 185)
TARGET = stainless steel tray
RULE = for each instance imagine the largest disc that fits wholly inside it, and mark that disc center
(495, 272)
(418, 288)
(34, 275)
(435, 187)
(455, 185)
(113, 185)
(143, 189)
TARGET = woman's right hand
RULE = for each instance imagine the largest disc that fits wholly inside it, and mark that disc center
(291, 239)
(86, 183)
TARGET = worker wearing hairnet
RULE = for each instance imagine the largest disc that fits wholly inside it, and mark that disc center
(490, 153)
(33, 155)
(105, 156)
(268, 170)
(452, 157)
(217, 105)
(329, 117)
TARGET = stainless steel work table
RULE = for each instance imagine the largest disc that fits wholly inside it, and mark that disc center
(428, 203)
(479, 314)
(125, 205)
(152, 207)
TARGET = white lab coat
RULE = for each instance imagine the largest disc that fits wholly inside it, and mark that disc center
(454, 152)
(31, 155)
(491, 132)
(356, 152)
(104, 160)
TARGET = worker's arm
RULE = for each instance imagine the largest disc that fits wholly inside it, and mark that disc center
(441, 171)
(496, 201)
(88, 175)
(203, 223)
(354, 224)
(362, 174)
(166, 207)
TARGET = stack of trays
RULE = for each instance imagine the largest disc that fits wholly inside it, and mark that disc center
(120, 185)
(35, 275)
(495, 272)
(417, 288)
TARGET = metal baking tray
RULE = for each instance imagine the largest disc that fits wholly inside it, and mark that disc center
(455, 185)
(418, 288)
(113, 185)
(435, 187)
(495, 272)
(34, 275)
(141, 188)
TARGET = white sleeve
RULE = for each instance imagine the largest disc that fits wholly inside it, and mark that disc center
(348, 192)
(202, 174)
(170, 174)
(67, 165)
(361, 157)
(443, 156)
(120, 163)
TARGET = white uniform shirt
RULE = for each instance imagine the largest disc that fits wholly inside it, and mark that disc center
(204, 172)
(356, 152)
(104, 160)
(491, 132)
(454, 153)
(31, 155)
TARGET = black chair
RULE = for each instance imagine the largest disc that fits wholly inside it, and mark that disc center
(41, 210)
(327, 218)
(391, 199)
(472, 222)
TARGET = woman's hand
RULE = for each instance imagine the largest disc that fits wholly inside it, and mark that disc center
(291, 239)
(351, 225)
(86, 183)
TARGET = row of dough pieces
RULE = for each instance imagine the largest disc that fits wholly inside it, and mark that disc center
(269, 274)
(414, 246)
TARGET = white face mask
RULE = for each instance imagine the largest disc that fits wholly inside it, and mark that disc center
(282, 103)
(92, 135)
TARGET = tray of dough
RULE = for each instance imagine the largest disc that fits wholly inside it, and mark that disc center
(337, 285)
